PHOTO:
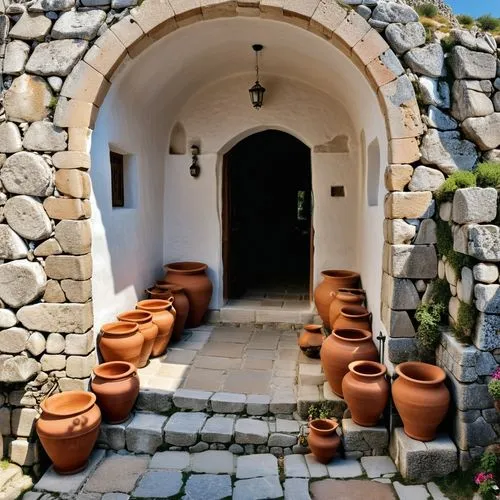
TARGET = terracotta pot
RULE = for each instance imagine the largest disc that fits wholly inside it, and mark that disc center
(344, 297)
(147, 329)
(158, 293)
(333, 279)
(163, 317)
(342, 347)
(116, 386)
(68, 429)
(366, 391)
(181, 304)
(421, 398)
(323, 439)
(197, 286)
(121, 341)
(353, 317)
(310, 340)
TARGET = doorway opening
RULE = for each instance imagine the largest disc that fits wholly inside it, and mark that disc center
(267, 219)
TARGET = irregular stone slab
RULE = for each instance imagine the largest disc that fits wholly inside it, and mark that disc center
(250, 431)
(159, 484)
(344, 469)
(295, 466)
(75, 237)
(254, 489)
(484, 131)
(474, 205)
(482, 42)
(258, 404)
(62, 318)
(358, 438)
(71, 159)
(213, 462)
(27, 173)
(470, 64)
(484, 242)
(427, 61)
(486, 273)
(13, 340)
(21, 282)
(392, 12)
(411, 492)
(28, 218)
(117, 473)
(174, 460)
(11, 245)
(411, 261)
(316, 469)
(28, 99)
(403, 37)
(36, 343)
(401, 293)
(397, 231)
(426, 179)
(435, 118)
(469, 99)
(204, 486)
(18, 369)
(83, 25)
(113, 435)
(16, 55)
(7, 318)
(448, 151)
(218, 429)
(74, 267)
(378, 466)
(435, 92)
(282, 440)
(52, 5)
(295, 488)
(249, 466)
(353, 490)
(145, 433)
(191, 399)
(486, 335)
(226, 402)
(427, 233)
(31, 27)
(182, 429)
(77, 291)
(45, 136)
(56, 58)
(401, 349)
(10, 138)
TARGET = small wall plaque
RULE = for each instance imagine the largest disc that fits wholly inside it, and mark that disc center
(337, 191)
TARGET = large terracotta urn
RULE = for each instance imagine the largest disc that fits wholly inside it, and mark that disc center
(310, 340)
(323, 439)
(116, 386)
(366, 391)
(121, 341)
(192, 276)
(181, 304)
(344, 297)
(353, 317)
(421, 398)
(333, 279)
(147, 329)
(68, 429)
(163, 317)
(342, 347)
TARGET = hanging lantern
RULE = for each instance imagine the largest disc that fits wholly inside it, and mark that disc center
(257, 90)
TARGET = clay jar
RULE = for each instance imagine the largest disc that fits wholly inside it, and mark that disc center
(333, 279)
(366, 391)
(323, 439)
(181, 304)
(353, 317)
(68, 429)
(344, 297)
(421, 398)
(192, 276)
(116, 386)
(121, 341)
(147, 329)
(163, 318)
(342, 347)
(158, 293)
(310, 340)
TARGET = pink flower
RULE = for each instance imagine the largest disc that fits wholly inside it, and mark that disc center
(481, 477)
(496, 374)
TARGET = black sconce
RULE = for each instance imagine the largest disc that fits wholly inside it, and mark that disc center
(257, 91)
(194, 169)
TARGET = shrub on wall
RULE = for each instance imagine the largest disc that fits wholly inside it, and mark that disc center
(465, 20)
(488, 175)
(427, 10)
(466, 319)
(457, 180)
(488, 23)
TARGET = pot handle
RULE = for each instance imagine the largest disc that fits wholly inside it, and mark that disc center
(333, 293)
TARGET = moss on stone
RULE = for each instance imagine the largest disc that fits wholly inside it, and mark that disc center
(457, 180)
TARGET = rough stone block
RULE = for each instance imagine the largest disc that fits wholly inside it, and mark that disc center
(144, 434)
(23, 421)
(80, 366)
(256, 466)
(398, 231)
(397, 177)
(175, 460)
(358, 438)
(183, 429)
(258, 404)
(408, 205)
(484, 242)
(250, 431)
(471, 430)
(209, 486)
(282, 440)
(191, 399)
(400, 294)
(225, 402)
(475, 205)
(72, 267)
(113, 435)
(485, 273)
(401, 349)
(486, 335)
(218, 429)
(295, 466)
(154, 400)
(67, 208)
(410, 261)
(283, 402)
(213, 462)
(469, 396)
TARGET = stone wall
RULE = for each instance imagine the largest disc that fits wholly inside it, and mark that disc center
(58, 58)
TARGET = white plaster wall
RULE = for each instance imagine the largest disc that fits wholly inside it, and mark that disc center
(127, 247)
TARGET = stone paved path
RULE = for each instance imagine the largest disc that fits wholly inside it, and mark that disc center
(213, 475)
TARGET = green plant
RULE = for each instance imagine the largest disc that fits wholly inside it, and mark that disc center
(466, 318)
(488, 22)
(488, 174)
(320, 410)
(429, 320)
(465, 20)
(427, 10)
(457, 180)
(447, 43)
(4, 464)
(494, 385)
(430, 27)
(53, 103)
(489, 461)
(444, 238)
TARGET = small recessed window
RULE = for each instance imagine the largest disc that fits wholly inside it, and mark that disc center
(117, 179)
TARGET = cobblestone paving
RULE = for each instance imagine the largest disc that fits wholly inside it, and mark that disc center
(213, 475)
(243, 360)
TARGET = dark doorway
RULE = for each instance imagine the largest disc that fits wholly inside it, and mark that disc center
(267, 210)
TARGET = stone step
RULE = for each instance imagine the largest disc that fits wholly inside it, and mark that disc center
(419, 461)
(308, 395)
(9, 474)
(13, 483)
(364, 441)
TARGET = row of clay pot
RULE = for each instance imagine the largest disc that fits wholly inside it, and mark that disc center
(69, 425)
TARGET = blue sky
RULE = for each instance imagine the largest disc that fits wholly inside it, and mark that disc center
(475, 7)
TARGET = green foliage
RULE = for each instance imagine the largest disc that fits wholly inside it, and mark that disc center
(489, 461)
(466, 318)
(440, 292)
(494, 389)
(429, 318)
(320, 410)
(427, 10)
(430, 28)
(4, 464)
(458, 260)
(444, 238)
(488, 22)
(447, 43)
(457, 180)
(465, 20)
(488, 174)
(458, 485)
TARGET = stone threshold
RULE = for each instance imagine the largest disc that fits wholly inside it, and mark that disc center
(300, 314)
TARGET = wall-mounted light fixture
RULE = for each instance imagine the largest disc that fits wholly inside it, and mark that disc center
(194, 169)
(257, 91)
